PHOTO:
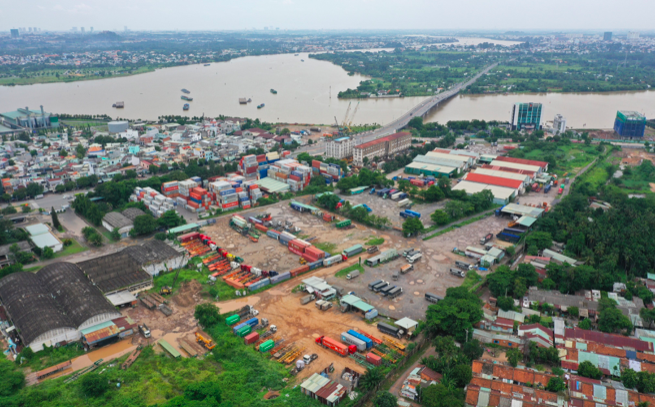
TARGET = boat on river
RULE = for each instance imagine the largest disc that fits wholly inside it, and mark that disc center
(185, 107)
(260, 106)
(273, 91)
(185, 91)
(187, 98)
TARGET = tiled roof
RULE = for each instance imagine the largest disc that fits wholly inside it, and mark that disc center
(503, 372)
(382, 140)
(472, 396)
(477, 366)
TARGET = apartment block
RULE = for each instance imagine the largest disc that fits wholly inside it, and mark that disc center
(382, 147)
(340, 148)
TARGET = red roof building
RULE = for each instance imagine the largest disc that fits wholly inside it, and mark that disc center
(542, 164)
(382, 147)
(491, 180)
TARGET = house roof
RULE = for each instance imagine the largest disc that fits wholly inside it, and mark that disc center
(132, 213)
(117, 220)
(23, 246)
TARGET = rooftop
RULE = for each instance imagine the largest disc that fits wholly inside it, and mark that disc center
(117, 220)
(391, 137)
(114, 271)
(38, 229)
(132, 213)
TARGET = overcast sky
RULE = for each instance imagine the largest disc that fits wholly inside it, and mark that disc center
(556, 15)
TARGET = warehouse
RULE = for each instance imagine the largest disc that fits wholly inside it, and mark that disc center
(116, 220)
(42, 237)
(132, 213)
(417, 168)
(466, 153)
(502, 195)
(467, 161)
(155, 256)
(525, 179)
(521, 210)
(530, 174)
(189, 227)
(534, 168)
(318, 286)
(541, 164)
(458, 164)
(116, 272)
(487, 158)
(516, 185)
(53, 305)
(272, 186)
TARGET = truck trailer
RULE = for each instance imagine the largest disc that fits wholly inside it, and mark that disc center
(340, 348)
(351, 340)
(390, 330)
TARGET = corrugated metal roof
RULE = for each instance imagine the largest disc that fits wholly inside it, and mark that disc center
(474, 187)
(350, 299)
(362, 306)
(406, 323)
(169, 348)
(38, 229)
(272, 186)
(314, 383)
(542, 164)
(491, 180)
(184, 228)
(100, 332)
(516, 209)
(498, 163)
(526, 221)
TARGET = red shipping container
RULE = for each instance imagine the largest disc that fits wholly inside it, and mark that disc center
(175, 188)
(188, 237)
(314, 252)
(195, 196)
(230, 205)
(372, 358)
(239, 189)
(316, 164)
(295, 178)
(261, 227)
(309, 257)
(250, 170)
(193, 204)
(246, 206)
(299, 270)
(274, 231)
(200, 191)
(295, 250)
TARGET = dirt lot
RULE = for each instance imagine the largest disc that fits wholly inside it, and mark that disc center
(389, 208)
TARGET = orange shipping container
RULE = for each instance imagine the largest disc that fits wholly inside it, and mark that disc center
(239, 189)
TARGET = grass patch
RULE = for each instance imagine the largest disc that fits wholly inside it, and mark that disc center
(472, 279)
(32, 269)
(375, 241)
(344, 272)
(185, 275)
(326, 246)
(51, 356)
(459, 225)
(75, 247)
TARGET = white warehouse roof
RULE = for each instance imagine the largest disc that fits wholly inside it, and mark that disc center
(474, 187)
(507, 164)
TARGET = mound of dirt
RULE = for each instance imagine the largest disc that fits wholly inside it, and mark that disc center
(188, 295)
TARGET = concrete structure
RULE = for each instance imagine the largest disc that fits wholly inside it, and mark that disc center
(630, 124)
(633, 36)
(607, 36)
(382, 147)
(117, 126)
(339, 148)
(526, 116)
(6, 256)
(30, 119)
(502, 195)
(42, 237)
(116, 220)
(559, 124)
(53, 305)
(14, 33)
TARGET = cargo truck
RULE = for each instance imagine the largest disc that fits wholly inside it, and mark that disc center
(343, 224)
(351, 251)
(508, 237)
(387, 289)
(373, 284)
(410, 214)
(390, 330)
(486, 238)
(369, 343)
(395, 292)
(351, 340)
(352, 274)
(415, 257)
(403, 202)
(406, 268)
(307, 299)
(372, 249)
(463, 265)
(336, 346)
(458, 272)
(380, 286)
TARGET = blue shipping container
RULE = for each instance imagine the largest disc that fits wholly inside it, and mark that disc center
(366, 340)
(413, 213)
(198, 201)
(227, 192)
(280, 277)
(252, 322)
(273, 235)
(237, 327)
(316, 264)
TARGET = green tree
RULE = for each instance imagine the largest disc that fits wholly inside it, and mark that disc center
(153, 169)
(573, 311)
(455, 314)
(556, 384)
(587, 369)
(55, 219)
(9, 210)
(80, 151)
(585, 324)
(505, 303)
(93, 385)
(612, 320)
(60, 188)
(440, 217)
(462, 374)
(48, 253)
(144, 225)
(629, 378)
(371, 379)
(200, 391)
(473, 350)
(541, 240)
(514, 356)
(412, 226)
(501, 281)
(12, 378)
(207, 315)
(438, 395)
(170, 219)
(115, 235)
(385, 399)
(33, 189)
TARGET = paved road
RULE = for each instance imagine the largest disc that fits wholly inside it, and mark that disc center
(419, 110)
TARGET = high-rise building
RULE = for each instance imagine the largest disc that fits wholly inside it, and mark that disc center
(633, 35)
(382, 147)
(91, 30)
(14, 33)
(339, 148)
(607, 36)
(559, 124)
(29, 29)
(629, 124)
(74, 29)
(82, 30)
(526, 116)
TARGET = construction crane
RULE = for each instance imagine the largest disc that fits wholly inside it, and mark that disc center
(207, 343)
(350, 122)
(345, 118)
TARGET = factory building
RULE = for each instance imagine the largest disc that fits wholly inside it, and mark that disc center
(541, 164)
(516, 166)
(466, 161)
(502, 195)
(382, 147)
(516, 185)
(339, 148)
(30, 119)
(526, 116)
(116, 220)
(525, 179)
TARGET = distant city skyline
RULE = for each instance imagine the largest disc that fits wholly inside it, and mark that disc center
(466, 15)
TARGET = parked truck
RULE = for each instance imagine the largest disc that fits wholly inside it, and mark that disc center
(410, 214)
(369, 343)
(372, 249)
(380, 286)
(390, 330)
(374, 283)
(406, 268)
(433, 298)
(414, 257)
(395, 292)
(403, 202)
(458, 272)
(463, 265)
(486, 238)
(336, 346)
(352, 274)
(351, 340)
(307, 299)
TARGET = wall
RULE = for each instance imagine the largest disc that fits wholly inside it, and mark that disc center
(172, 264)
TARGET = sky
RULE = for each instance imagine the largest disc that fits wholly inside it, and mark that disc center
(465, 15)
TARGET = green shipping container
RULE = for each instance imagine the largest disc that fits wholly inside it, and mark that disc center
(266, 346)
(343, 223)
(232, 319)
(244, 331)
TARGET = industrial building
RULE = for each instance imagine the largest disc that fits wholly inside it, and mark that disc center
(607, 36)
(30, 119)
(516, 166)
(502, 195)
(6, 257)
(516, 185)
(42, 237)
(339, 148)
(53, 305)
(526, 116)
(117, 126)
(155, 256)
(382, 147)
(629, 124)
(531, 174)
(466, 161)
(116, 272)
(525, 179)
(458, 163)
(559, 124)
(116, 220)
(541, 164)
(466, 153)
(132, 213)
(418, 168)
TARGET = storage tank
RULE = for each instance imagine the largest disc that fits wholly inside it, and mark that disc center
(117, 126)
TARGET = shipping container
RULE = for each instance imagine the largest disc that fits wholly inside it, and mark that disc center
(332, 260)
(251, 338)
(336, 346)
(373, 359)
(232, 319)
(343, 223)
(378, 287)
(369, 343)
(351, 340)
(266, 346)
(243, 331)
(395, 293)
(353, 250)
(386, 290)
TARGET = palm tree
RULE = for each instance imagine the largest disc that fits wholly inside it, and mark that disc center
(371, 379)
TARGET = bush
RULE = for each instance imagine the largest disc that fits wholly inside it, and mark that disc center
(160, 236)
(93, 385)
(207, 315)
(115, 235)
(67, 242)
(48, 253)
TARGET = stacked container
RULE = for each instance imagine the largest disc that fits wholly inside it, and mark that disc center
(312, 254)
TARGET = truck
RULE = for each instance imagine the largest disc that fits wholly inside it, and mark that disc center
(369, 343)
(414, 257)
(337, 258)
(374, 283)
(372, 249)
(343, 224)
(144, 331)
(546, 189)
(463, 265)
(403, 202)
(353, 250)
(380, 286)
(406, 268)
(408, 252)
(395, 275)
(409, 214)
(486, 238)
(508, 237)
(323, 305)
(351, 340)
(433, 298)
(387, 289)
(352, 274)
(395, 292)
(458, 272)
(336, 346)
(307, 299)
(390, 330)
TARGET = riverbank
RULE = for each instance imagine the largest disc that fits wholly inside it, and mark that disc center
(90, 74)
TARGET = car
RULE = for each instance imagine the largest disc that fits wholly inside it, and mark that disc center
(526, 302)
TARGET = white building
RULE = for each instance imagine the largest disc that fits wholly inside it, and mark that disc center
(339, 148)
(559, 124)
(42, 238)
(633, 35)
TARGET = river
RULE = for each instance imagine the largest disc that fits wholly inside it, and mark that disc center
(307, 93)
